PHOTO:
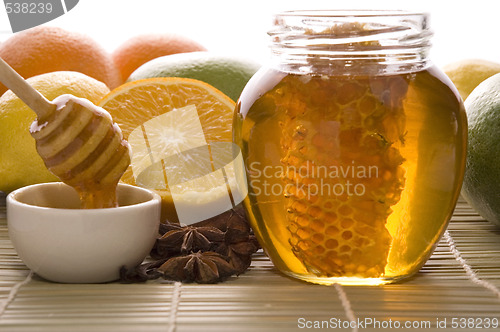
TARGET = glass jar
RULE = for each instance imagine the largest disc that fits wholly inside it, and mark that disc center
(354, 145)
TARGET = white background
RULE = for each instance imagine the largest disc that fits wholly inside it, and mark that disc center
(463, 29)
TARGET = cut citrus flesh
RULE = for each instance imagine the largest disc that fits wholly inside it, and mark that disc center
(162, 118)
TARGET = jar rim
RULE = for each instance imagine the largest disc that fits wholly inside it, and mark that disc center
(351, 13)
(370, 40)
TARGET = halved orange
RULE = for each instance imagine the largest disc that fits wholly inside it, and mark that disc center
(164, 117)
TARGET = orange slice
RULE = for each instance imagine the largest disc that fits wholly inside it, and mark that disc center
(162, 118)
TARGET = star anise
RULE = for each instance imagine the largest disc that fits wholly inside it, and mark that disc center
(239, 243)
(239, 254)
(184, 240)
(205, 252)
(202, 267)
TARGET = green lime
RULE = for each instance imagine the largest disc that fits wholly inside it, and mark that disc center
(226, 73)
(481, 186)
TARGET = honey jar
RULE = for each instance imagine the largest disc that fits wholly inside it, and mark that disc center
(354, 144)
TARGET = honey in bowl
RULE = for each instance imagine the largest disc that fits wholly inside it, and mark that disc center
(355, 148)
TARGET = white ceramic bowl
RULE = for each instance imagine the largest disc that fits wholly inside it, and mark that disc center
(63, 243)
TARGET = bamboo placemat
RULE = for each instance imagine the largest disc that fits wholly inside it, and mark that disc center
(460, 284)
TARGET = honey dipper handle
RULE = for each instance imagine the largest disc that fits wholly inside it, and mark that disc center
(34, 99)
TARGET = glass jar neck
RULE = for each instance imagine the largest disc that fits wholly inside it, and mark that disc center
(350, 42)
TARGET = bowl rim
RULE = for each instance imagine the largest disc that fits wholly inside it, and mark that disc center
(11, 199)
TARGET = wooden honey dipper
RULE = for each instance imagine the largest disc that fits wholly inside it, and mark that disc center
(77, 140)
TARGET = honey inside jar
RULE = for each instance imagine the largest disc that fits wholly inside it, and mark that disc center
(353, 170)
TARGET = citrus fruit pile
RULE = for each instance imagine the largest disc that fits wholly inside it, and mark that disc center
(171, 103)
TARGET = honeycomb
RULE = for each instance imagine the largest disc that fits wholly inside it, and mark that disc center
(340, 148)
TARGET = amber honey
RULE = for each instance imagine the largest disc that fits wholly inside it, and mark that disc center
(353, 175)
(80, 144)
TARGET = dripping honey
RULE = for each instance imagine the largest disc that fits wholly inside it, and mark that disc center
(80, 144)
(396, 141)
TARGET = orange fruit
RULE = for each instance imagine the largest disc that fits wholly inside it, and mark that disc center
(140, 49)
(47, 49)
(197, 113)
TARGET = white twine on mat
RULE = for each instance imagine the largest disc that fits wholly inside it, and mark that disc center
(347, 306)
(467, 268)
(174, 306)
(13, 292)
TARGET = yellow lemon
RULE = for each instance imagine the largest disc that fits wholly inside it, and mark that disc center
(467, 74)
(20, 164)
